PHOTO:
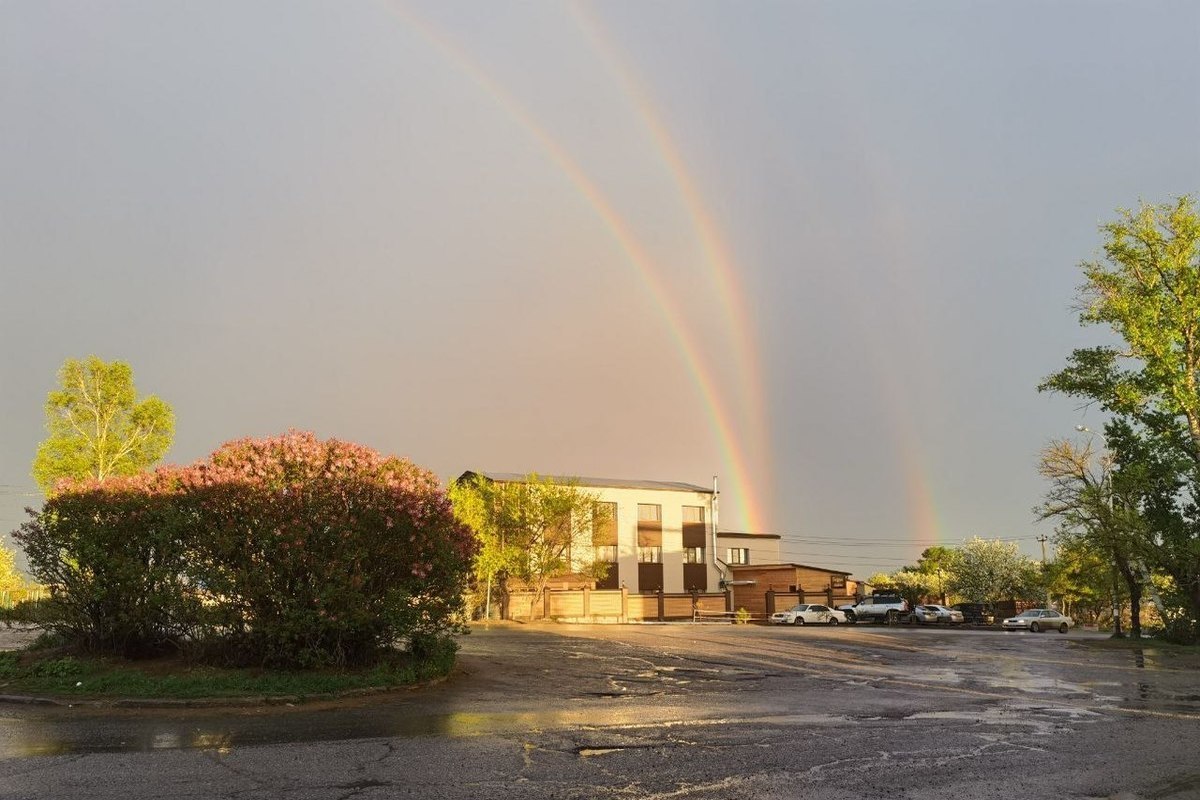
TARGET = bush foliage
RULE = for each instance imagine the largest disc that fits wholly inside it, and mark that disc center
(285, 552)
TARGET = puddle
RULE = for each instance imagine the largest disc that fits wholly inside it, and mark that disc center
(75, 735)
(590, 752)
(1043, 720)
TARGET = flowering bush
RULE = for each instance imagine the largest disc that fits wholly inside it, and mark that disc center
(325, 552)
(304, 552)
(114, 555)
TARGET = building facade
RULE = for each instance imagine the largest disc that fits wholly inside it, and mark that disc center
(656, 535)
(736, 549)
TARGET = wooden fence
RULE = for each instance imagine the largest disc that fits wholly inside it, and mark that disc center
(10, 598)
(782, 601)
(608, 605)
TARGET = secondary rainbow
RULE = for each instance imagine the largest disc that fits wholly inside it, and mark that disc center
(620, 230)
(721, 266)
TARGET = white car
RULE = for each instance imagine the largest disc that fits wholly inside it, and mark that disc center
(1039, 619)
(810, 614)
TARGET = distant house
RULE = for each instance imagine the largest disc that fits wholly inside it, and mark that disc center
(797, 583)
(658, 535)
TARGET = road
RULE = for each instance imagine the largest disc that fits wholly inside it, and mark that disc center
(670, 711)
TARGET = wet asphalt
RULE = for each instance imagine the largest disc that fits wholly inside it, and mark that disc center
(670, 711)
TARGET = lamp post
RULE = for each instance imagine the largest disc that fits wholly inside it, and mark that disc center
(1106, 478)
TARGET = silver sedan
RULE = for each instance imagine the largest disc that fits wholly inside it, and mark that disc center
(1039, 619)
(950, 615)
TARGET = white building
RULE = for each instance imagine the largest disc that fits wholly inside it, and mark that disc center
(659, 534)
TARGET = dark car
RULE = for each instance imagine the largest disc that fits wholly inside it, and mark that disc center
(976, 613)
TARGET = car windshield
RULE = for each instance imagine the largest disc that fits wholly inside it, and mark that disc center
(1032, 613)
(800, 608)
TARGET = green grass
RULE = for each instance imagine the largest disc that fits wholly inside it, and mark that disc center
(32, 673)
(1150, 645)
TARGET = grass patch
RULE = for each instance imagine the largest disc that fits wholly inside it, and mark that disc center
(1153, 645)
(51, 673)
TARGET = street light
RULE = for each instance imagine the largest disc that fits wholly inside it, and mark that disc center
(1107, 478)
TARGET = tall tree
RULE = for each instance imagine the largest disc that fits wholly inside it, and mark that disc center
(532, 530)
(97, 425)
(1146, 290)
(1096, 510)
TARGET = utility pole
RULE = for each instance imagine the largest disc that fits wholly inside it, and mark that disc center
(1042, 541)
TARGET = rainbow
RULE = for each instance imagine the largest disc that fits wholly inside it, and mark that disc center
(682, 337)
(924, 526)
(722, 270)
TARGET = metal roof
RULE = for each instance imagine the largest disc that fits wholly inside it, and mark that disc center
(737, 535)
(598, 483)
(789, 564)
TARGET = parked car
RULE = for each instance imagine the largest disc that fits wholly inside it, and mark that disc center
(891, 608)
(946, 615)
(922, 615)
(810, 614)
(1038, 619)
(976, 613)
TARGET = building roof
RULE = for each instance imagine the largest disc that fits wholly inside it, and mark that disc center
(788, 565)
(736, 535)
(599, 483)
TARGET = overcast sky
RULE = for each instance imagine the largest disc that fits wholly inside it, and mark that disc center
(824, 251)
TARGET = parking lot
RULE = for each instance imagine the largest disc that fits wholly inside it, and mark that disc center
(672, 711)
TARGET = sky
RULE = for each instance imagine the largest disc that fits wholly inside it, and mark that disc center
(824, 251)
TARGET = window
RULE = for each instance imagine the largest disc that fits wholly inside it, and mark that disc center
(604, 525)
(738, 555)
(606, 553)
(693, 514)
(693, 555)
(649, 513)
(650, 555)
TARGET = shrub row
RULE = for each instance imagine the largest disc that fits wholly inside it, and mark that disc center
(283, 552)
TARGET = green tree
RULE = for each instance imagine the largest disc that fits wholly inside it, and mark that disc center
(531, 530)
(1096, 512)
(1079, 578)
(913, 585)
(97, 426)
(988, 570)
(11, 579)
(1146, 290)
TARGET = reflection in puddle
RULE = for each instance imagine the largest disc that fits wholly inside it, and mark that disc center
(37, 738)
(1041, 720)
(166, 740)
(218, 742)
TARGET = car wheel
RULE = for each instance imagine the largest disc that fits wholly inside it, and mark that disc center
(851, 618)
(1034, 627)
(798, 621)
(833, 621)
(1062, 628)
